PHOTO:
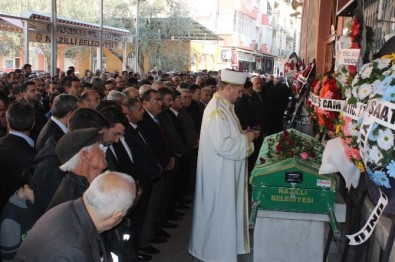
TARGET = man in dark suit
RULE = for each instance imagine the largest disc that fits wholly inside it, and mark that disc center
(16, 148)
(244, 107)
(158, 142)
(147, 168)
(30, 94)
(47, 175)
(277, 97)
(63, 107)
(75, 226)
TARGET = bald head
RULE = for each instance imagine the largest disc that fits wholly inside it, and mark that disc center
(131, 92)
(108, 199)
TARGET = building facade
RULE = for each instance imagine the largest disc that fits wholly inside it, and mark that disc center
(258, 34)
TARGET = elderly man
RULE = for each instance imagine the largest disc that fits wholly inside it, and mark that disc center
(75, 226)
(131, 92)
(117, 96)
(91, 98)
(220, 220)
(83, 159)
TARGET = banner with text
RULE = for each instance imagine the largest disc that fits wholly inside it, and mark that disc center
(73, 40)
(348, 56)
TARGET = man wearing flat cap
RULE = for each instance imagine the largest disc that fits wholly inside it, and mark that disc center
(82, 157)
(220, 219)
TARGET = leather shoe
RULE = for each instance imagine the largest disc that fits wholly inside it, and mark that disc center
(168, 224)
(158, 240)
(185, 201)
(174, 218)
(143, 257)
(182, 207)
(177, 213)
(161, 233)
(149, 250)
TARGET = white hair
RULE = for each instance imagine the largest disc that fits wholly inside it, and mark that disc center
(111, 191)
(73, 162)
(116, 96)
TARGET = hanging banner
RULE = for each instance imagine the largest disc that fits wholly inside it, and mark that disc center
(367, 230)
(73, 40)
(314, 99)
(332, 104)
(354, 111)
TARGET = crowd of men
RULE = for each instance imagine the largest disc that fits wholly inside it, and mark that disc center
(58, 134)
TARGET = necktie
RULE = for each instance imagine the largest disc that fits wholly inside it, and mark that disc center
(142, 137)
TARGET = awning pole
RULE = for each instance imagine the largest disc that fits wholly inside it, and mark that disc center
(54, 39)
(125, 56)
(100, 56)
(26, 41)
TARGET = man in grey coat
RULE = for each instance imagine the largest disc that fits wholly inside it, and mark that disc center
(71, 231)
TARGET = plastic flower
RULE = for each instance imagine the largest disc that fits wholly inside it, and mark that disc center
(385, 139)
(361, 167)
(353, 129)
(364, 91)
(381, 179)
(372, 136)
(304, 155)
(383, 63)
(366, 70)
(375, 155)
(391, 169)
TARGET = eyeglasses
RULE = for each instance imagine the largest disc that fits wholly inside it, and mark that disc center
(156, 100)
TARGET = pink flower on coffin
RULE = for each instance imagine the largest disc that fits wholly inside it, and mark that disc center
(304, 155)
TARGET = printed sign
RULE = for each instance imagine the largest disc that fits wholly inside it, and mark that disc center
(314, 99)
(383, 112)
(331, 104)
(302, 79)
(235, 59)
(354, 111)
(364, 234)
(70, 40)
(348, 56)
(324, 183)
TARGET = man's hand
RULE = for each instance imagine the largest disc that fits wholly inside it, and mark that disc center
(250, 134)
(171, 164)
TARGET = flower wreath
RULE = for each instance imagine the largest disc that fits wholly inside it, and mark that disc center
(379, 153)
(312, 109)
(348, 128)
(369, 83)
(290, 69)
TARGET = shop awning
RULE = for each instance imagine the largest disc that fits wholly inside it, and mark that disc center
(69, 32)
(346, 7)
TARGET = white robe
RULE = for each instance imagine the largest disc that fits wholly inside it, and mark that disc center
(220, 217)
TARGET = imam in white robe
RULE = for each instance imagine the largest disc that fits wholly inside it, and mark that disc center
(220, 217)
